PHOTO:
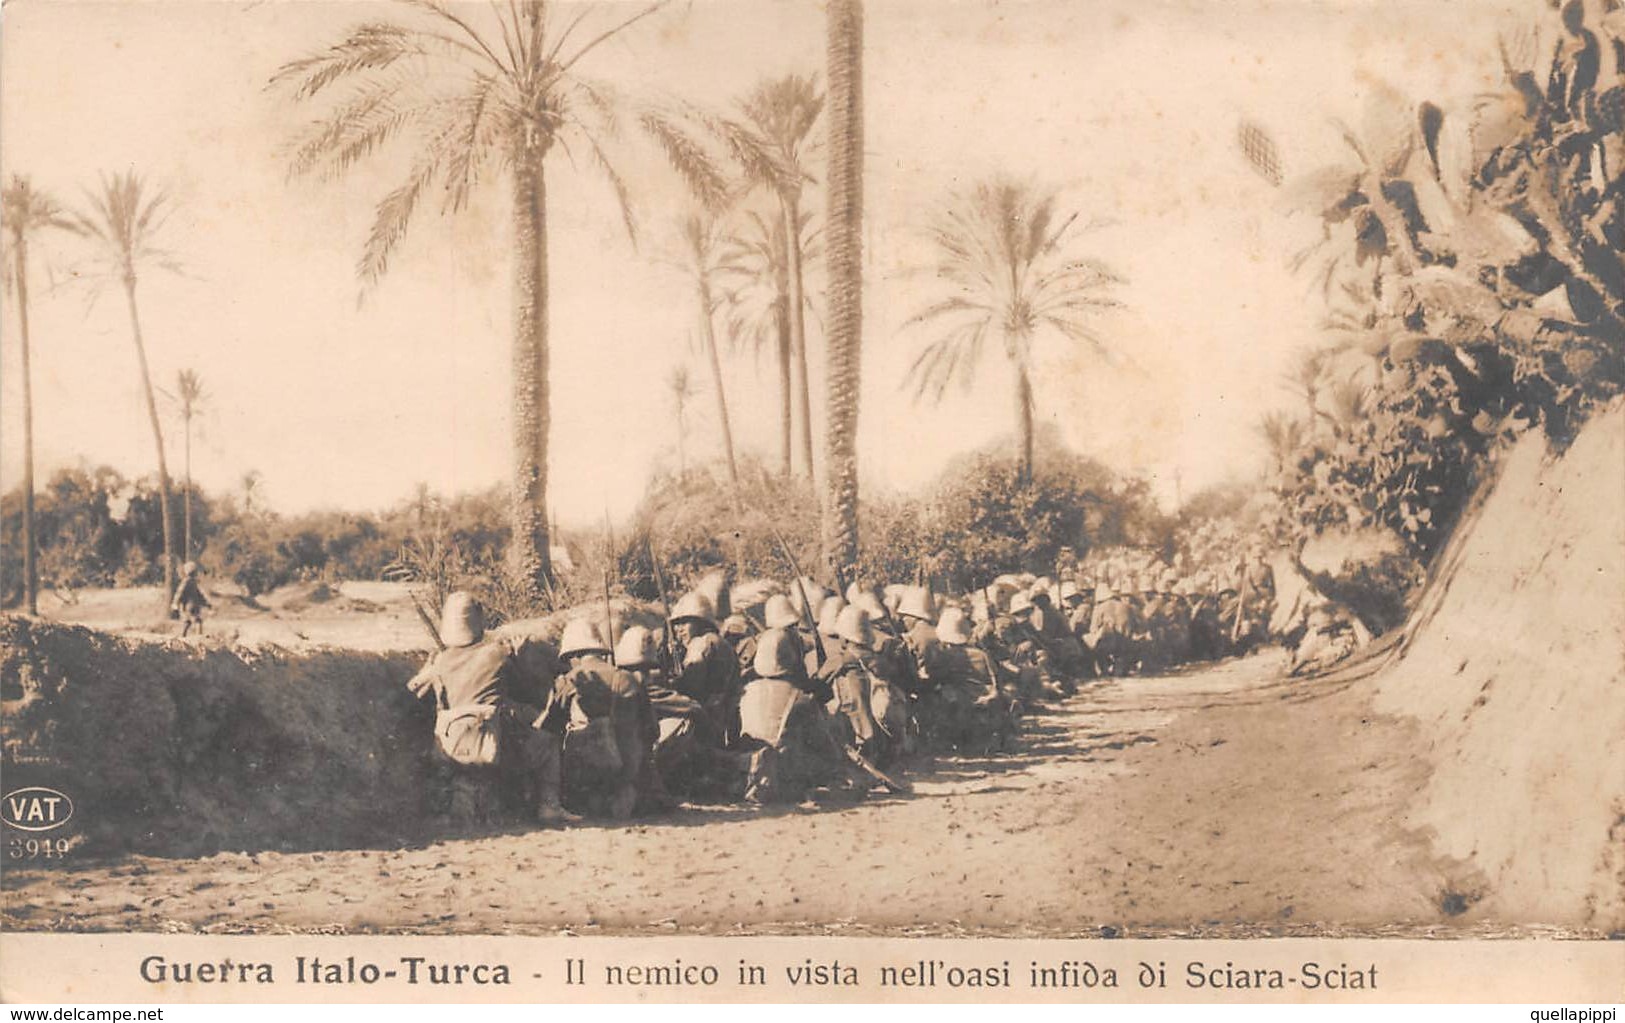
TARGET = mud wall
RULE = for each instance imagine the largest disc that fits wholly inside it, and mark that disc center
(1515, 664)
(187, 750)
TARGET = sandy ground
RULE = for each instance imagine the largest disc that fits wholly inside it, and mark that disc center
(1222, 801)
(372, 616)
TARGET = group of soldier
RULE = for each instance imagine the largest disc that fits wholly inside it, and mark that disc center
(772, 692)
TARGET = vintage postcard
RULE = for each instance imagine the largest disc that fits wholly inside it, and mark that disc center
(777, 500)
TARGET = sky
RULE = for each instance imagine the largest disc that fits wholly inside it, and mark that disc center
(340, 399)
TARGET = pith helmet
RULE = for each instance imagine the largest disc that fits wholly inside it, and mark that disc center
(853, 626)
(462, 620)
(694, 606)
(637, 648)
(952, 628)
(190, 568)
(871, 605)
(1070, 592)
(895, 594)
(778, 654)
(829, 615)
(916, 603)
(1020, 604)
(582, 637)
(779, 613)
(815, 595)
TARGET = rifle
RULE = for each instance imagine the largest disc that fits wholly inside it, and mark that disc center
(665, 607)
(428, 623)
(806, 608)
(852, 753)
(609, 620)
(1241, 602)
(609, 558)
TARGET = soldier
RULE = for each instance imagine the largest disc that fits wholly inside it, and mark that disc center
(865, 706)
(612, 729)
(1022, 649)
(708, 671)
(978, 712)
(678, 731)
(189, 600)
(781, 722)
(498, 710)
(1111, 632)
(917, 612)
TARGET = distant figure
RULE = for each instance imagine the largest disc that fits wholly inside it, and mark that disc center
(189, 600)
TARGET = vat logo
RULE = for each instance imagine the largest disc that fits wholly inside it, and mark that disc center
(36, 808)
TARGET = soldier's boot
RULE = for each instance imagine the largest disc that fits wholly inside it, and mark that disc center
(549, 781)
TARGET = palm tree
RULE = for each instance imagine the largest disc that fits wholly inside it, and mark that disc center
(755, 261)
(27, 211)
(780, 114)
(681, 386)
(700, 263)
(188, 399)
(843, 21)
(250, 483)
(124, 219)
(1283, 436)
(507, 92)
(1004, 261)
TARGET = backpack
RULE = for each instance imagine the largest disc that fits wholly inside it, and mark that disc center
(470, 734)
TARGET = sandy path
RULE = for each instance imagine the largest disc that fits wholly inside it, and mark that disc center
(1221, 801)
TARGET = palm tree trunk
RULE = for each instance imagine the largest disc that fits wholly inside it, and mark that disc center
(781, 323)
(1024, 421)
(844, 54)
(30, 564)
(186, 495)
(157, 439)
(682, 443)
(529, 550)
(798, 324)
(709, 325)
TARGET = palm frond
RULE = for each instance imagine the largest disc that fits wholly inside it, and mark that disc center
(687, 157)
(390, 220)
(623, 195)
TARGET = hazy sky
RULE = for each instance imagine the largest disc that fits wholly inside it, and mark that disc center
(1131, 107)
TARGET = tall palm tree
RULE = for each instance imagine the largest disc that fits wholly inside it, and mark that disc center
(780, 114)
(189, 400)
(1004, 260)
(700, 262)
(680, 384)
(843, 20)
(27, 212)
(124, 219)
(755, 263)
(477, 87)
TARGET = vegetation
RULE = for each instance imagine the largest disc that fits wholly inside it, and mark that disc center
(1003, 260)
(27, 213)
(507, 93)
(124, 218)
(1476, 259)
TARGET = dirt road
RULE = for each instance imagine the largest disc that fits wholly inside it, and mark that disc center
(1219, 801)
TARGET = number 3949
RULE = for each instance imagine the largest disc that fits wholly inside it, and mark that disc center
(37, 848)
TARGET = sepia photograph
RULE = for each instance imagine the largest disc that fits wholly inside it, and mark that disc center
(1067, 473)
